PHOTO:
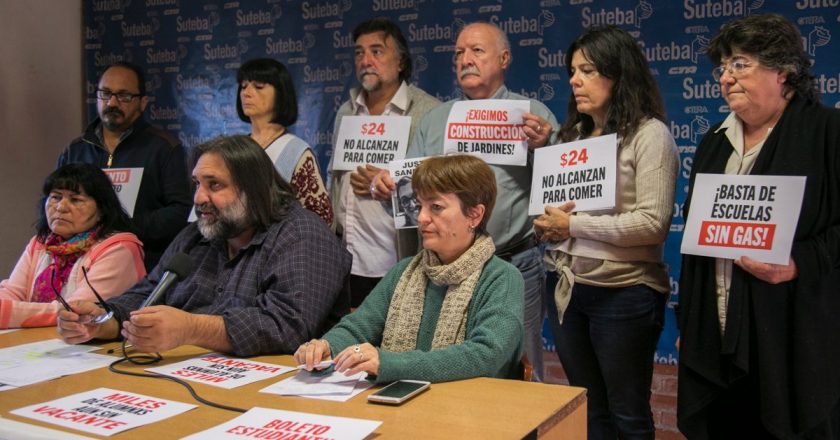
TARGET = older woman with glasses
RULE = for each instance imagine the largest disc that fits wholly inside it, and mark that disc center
(454, 311)
(80, 250)
(758, 354)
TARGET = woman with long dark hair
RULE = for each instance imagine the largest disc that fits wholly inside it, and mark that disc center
(613, 285)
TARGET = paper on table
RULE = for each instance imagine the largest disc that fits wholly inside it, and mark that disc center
(39, 361)
(314, 383)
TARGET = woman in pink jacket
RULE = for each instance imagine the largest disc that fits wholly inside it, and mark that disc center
(80, 234)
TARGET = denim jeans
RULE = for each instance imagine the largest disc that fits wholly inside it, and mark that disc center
(530, 265)
(606, 345)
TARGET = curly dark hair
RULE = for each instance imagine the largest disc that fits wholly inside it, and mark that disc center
(777, 44)
(634, 95)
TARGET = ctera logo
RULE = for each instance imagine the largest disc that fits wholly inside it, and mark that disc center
(818, 37)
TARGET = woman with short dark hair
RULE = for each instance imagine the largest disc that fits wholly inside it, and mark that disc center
(453, 311)
(758, 355)
(608, 307)
(266, 100)
(81, 244)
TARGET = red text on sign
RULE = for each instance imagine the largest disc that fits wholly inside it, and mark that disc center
(737, 235)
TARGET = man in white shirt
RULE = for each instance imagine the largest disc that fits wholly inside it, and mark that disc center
(383, 68)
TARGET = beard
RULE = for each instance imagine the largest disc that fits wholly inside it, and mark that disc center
(226, 223)
(370, 81)
(112, 118)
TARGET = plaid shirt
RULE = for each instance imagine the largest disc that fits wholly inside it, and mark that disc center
(282, 289)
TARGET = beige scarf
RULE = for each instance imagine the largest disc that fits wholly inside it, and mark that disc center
(406, 309)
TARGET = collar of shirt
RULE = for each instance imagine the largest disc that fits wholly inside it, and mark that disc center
(735, 134)
(124, 134)
(397, 106)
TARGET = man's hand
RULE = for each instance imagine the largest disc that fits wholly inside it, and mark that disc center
(77, 326)
(382, 186)
(537, 130)
(158, 328)
(553, 226)
(770, 273)
(362, 178)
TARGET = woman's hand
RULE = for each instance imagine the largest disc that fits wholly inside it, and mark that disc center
(770, 273)
(357, 358)
(553, 226)
(312, 353)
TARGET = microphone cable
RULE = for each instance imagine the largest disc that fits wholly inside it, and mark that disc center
(151, 359)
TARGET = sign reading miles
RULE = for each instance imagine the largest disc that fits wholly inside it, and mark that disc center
(490, 129)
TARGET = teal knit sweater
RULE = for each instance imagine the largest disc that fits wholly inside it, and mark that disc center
(492, 344)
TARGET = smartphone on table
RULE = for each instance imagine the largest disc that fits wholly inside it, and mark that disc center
(398, 392)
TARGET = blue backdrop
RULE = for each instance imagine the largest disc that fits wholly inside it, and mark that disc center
(191, 50)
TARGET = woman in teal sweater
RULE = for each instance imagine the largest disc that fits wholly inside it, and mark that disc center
(453, 311)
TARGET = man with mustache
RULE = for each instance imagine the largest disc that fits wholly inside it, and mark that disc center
(121, 138)
(383, 68)
(482, 57)
(268, 276)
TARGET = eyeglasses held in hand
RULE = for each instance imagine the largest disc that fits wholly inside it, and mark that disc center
(100, 319)
(109, 312)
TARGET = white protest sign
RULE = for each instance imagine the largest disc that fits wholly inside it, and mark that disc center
(374, 140)
(582, 171)
(126, 183)
(403, 200)
(275, 423)
(490, 129)
(221, 371)
(104, 411)
(734, 215)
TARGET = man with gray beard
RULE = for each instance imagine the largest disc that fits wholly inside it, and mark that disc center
(383, 69)
(268, 273)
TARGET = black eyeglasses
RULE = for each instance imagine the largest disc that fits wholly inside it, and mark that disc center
(106, 95)
(101, 319)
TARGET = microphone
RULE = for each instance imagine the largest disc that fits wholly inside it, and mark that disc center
(177, 268)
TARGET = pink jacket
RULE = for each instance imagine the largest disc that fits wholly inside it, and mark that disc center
(113, 265)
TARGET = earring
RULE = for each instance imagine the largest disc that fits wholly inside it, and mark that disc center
(471, 229)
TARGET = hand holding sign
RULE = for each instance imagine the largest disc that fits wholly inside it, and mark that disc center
(537, 130)
(361, 179)
(768, 272)
(553, 226)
